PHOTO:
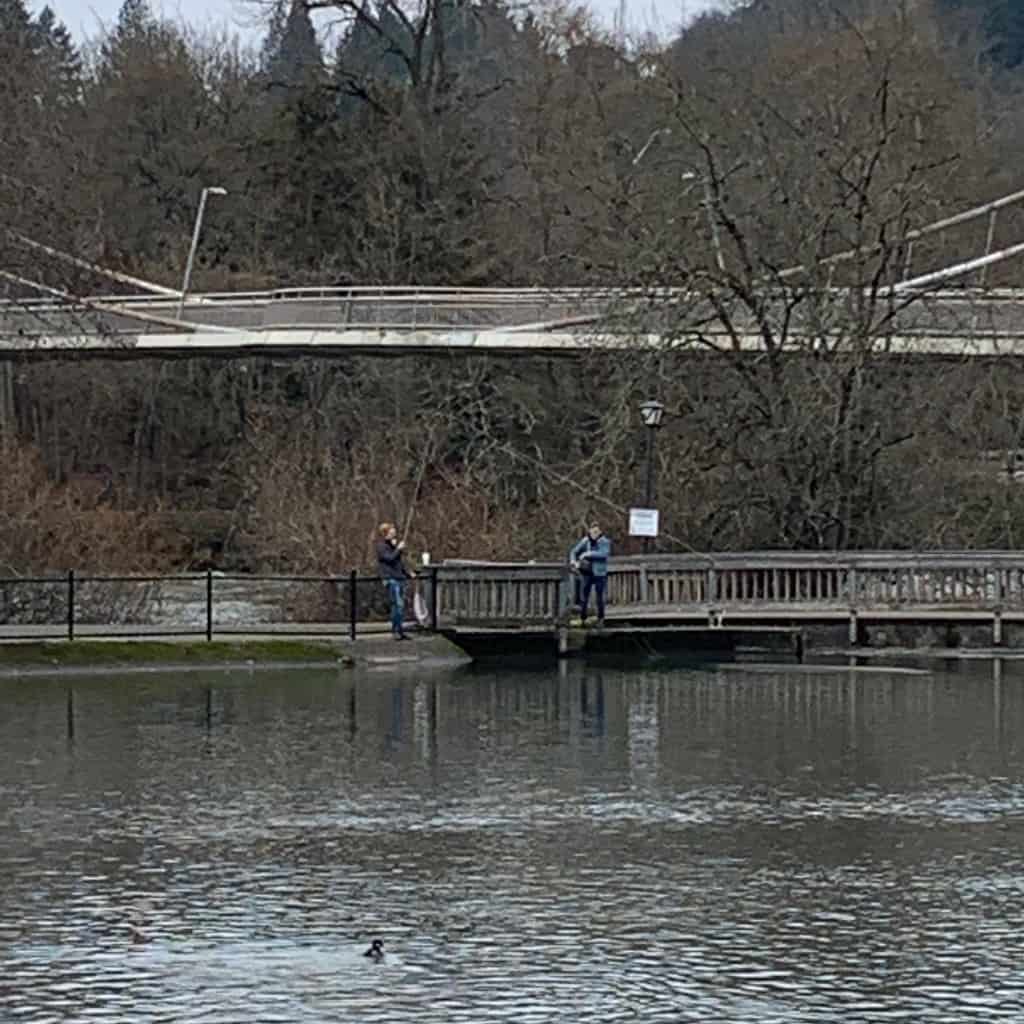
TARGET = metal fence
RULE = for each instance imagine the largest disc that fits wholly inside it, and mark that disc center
(208, 605)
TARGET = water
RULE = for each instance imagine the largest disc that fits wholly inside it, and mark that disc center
(583, 845)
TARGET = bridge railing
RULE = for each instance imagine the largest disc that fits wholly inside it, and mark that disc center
(862, 579)
(502, 592)
(952, 312)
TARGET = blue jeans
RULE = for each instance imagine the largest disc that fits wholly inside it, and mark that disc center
(598, 585)
(396, 591)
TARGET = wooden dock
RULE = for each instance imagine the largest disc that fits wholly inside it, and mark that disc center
(698, 600)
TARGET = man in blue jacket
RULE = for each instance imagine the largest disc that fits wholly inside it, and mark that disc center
(589, 558)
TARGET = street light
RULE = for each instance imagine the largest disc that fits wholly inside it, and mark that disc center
(651, 413)
(692, 175)
(709, 210)
(212, 191)
(654, 136)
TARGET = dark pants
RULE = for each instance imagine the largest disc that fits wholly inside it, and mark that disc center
(598, 585)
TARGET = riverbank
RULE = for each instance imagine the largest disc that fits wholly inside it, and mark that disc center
(35, 657)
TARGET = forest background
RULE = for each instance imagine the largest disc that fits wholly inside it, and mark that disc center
(474, 142)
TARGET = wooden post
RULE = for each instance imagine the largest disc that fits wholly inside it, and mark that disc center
(353, 603)
(71, 604)
(997, 613)
(209, 605)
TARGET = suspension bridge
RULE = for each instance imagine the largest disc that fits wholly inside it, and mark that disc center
(945, 312)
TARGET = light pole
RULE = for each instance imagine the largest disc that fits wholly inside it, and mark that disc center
(212, 191)
(651, 412)
(654, 136)
(709, 211)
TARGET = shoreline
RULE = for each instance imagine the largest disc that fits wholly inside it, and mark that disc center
(36, 658)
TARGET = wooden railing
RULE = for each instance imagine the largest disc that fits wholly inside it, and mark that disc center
(541, 592)
(861, 579)
(500, 592)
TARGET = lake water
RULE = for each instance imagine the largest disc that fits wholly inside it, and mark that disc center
(574, 845)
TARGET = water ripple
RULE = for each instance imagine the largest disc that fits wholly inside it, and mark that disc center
(592, 848)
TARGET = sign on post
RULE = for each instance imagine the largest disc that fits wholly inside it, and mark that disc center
(643, 522)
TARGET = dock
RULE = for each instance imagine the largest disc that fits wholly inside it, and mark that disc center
(724, 602)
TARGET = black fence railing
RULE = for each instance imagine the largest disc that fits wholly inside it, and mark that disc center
(81, 606)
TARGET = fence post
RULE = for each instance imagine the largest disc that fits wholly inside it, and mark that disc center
(353, 603)
(71, 604)
(433, 599)
(711, 585)
(209, 605)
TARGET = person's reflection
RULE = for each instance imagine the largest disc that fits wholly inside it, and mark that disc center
(592, 713)
(394, 737)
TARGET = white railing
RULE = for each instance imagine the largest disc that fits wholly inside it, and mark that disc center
(964, 312)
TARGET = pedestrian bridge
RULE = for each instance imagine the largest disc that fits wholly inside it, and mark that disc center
(744, 590)
(401, 321)
(911, 315)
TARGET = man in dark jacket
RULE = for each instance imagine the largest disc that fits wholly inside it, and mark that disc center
(589, 557)
(394, 574)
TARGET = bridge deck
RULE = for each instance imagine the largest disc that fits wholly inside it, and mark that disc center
(752, 612)
(337, 322)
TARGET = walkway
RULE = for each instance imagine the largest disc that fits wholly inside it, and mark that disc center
(335, 322)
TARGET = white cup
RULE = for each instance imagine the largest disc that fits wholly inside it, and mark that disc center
(425, 557)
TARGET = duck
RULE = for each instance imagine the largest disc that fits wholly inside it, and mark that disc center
(376, 950)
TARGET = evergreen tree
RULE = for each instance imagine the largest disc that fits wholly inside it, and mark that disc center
(15, 24)
(1001, 21)
(21, 74)
(372, 61)
(61, 63)
(130, 38)
(271, 45)
(291, 54)
(134, 18)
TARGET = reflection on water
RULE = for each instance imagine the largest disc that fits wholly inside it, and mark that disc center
(573, 845)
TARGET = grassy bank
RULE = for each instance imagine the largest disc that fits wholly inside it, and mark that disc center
(80, 653)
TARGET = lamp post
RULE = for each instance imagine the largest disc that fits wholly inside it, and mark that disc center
(212, 191)
(709, 211)
(654, 136)
(651, 413)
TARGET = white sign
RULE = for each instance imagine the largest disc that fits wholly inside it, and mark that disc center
(643, 522)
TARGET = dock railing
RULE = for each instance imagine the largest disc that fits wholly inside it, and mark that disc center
(532, 594)
(870, 579)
